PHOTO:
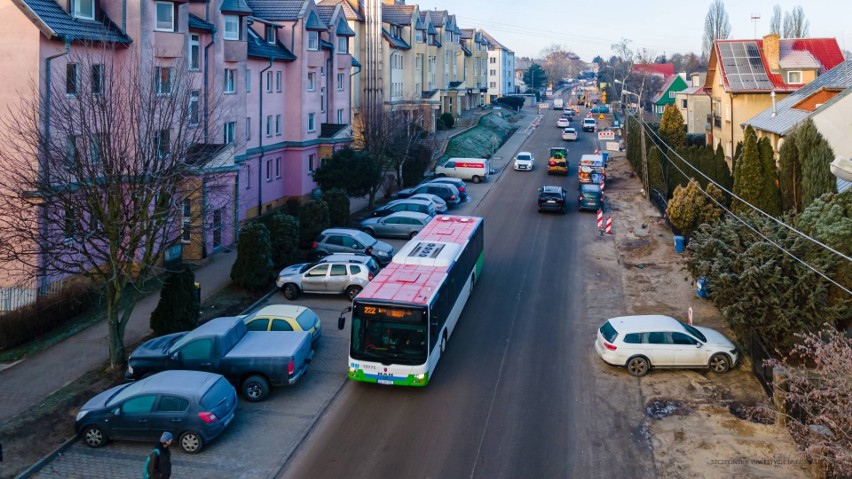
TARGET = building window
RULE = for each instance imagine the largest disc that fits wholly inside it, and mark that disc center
(268, 170)
(72, 153)
(340, 116)
(311, 159)
(311, 123)
(418, 36)
(185, 221)
(163, 143)
(313, 40)
(268, 126)
(492, 60)
(278, 81)
(248, 177)
(164, 80)
(278, 125)
(683, 104)
(268, 82)
(342, 45)
(232, 27)
(84, 9)
(69, 226)
(248, 81)
(71, 79)
(271, 34)
(230, 132)
(193, 107)
(340, 78)
(97, 79)
(194, 52)
(671, 94)
(230, 80)
(312, 79)
(493, 84)
(322, 99)
(165, 17)
(794, 78)
(248, 128)
(278, 167)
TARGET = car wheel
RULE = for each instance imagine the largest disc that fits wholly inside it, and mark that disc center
(255, 388)
(94, 436)
(720, 363)
(370, 232)
(291, 291)
(412, 235)
(476, 179)
(191, 442)
(352, 292)
(638, 366)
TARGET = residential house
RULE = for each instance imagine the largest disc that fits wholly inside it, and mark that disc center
(827, 101)
(743, 75)
(474, 66)
(666, 94)
(694, 105)
(501, 68)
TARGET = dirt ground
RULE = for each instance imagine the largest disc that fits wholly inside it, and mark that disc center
(695, 421)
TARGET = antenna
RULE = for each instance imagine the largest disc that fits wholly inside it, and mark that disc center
(755, 17)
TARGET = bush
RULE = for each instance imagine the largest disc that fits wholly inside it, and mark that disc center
(292, 206)
(284, 238)
(178, 309)
(313, 218)
(338, 206)
(29, 322)
(513, 102)
(447, 119)
(253, 268)
(418, 162)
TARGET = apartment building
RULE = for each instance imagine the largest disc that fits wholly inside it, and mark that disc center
(501, 68)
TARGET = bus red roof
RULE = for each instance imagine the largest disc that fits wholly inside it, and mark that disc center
(449, 229)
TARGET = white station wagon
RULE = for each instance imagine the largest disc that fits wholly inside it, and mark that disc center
(640, 343)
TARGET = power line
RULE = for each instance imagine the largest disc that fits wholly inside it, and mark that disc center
(750, 227)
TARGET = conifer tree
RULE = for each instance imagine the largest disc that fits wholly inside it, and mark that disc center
(178, 308)
(770, 198)
(816, 157)
(790, 175)
(252, 269)
(747, 176)
(656, 181)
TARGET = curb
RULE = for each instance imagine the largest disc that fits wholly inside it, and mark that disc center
(28, 472)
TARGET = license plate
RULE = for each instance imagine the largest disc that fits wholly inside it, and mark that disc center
(551, 201)
(385, 381)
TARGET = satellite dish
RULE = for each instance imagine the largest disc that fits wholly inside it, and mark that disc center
(842, 168)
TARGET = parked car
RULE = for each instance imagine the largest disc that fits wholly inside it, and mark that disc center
(437, 201)
(337, 273)
(589, 124)
(407, 204)
(552, 198)
(655, 341)
(473, 169)
(287, 317)
(568, 110)
(457, 182)
(195, 406)
(569, 134)
(524, 161)
(351, 240)
(563, 123)
(251, 360)
(405, 224)
(591, 197)
(449, 193)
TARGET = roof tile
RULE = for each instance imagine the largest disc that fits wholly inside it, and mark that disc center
(67, 27)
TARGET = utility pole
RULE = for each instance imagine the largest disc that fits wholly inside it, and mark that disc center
(645, 183)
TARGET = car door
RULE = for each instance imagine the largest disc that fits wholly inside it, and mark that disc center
(258, 324)
(313, 280)
(198, 355)
(334, 244)
(279, 324)
(388, 226)
(170, 414)
(687, 352)
(133, 419)
(338, 279)
(660, 350)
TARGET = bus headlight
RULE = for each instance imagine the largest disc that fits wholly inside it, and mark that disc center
(351, 370)
(420, 376)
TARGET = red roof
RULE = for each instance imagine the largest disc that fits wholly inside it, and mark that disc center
(405, 283)
(449, 229)
(664, 69)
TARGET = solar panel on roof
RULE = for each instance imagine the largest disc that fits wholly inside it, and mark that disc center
(743, 66)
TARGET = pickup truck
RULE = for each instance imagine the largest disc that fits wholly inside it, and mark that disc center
(251, 360)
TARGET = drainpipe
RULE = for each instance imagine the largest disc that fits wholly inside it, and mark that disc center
(328, 85)
(124, 16)
(44, 166)
(260, 141)
(733, 145)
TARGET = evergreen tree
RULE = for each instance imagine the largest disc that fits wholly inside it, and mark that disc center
(747, 175)
(313, 219)
(721, 170)
(770, 198)
(284, 237)
(252, 269)
(178, 308)
(689, 207)
(816, 157)
(790, 175)
(672, 128)
(655, 171)
(338, 206)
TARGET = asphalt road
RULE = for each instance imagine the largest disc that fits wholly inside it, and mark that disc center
(520, 392)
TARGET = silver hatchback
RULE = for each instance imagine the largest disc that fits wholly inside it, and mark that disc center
(341, 273)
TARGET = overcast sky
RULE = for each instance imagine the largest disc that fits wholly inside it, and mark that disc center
(661, 26)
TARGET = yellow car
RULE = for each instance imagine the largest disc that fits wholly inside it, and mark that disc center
(558, 164)
(285, 317)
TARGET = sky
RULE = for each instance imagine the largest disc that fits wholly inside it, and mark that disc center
(660, 26)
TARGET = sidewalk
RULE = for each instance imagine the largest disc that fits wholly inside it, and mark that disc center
(30, 381)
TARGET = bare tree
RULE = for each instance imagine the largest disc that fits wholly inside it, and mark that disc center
(557, 62)
(775, 21)
(716, 25)
(96, 171)
(408, 135)
(373, 134)
(795, 23)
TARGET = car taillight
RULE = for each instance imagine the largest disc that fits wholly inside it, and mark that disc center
(370, 250)
(370, 277)
(580, 198)
(314, 245)
(560, 200)
(452, 197)
(552, 163)
(208, 417)
(609, 346)
(461, 189)
(291, 367)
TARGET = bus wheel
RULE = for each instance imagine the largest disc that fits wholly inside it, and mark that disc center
(443, 342)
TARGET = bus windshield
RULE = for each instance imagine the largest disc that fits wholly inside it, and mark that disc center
(389, 333)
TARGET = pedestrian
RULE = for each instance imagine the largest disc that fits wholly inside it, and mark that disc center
(159, 462)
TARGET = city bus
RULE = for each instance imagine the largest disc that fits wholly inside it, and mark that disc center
(403, 318)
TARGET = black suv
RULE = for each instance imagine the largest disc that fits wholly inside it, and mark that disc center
(552, 198)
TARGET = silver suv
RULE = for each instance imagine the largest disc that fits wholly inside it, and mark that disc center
(337, 273)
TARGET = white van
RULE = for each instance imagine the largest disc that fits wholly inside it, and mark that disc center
(473, 169)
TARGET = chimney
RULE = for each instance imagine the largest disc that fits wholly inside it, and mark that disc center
(772, 50)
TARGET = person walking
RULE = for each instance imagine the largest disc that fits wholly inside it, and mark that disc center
(159, 462)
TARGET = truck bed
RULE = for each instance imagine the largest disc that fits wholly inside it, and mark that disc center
(269, 344)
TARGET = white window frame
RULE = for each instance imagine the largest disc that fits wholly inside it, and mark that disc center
(186, 221)
(164, 88)
(312, 124)
(194, 53)
(248, 81)
(78, 9)
(248, 128)
(278, 81)
(340, 116)
(97, 78)
(278, 167)
(671, 94)
(268, 82)
(164, 149)
(312, 81)
(313, 40)
(231, 21)
(269, 126)
(230, 132)
(271, 35)
(248, 176)
(193, 110)
(164, 25)
(278, 125)
(311, 160)
(790, 79)
(342, 45)
(340, 78)
(229, 82)
(74, 69)
(418, 36)
(269, 170)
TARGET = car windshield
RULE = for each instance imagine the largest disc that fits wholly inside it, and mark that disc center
(123, 394)
(524, 157)
(364, 238)
(550, 194)
(590, 188)
(691, 330)
(608, 332)
(217, 394)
